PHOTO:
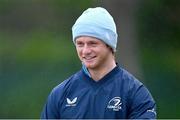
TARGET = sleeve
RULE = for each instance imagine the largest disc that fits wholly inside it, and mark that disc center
(142, 105)
(50, 110)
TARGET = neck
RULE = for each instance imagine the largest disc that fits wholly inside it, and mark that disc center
(99, 73)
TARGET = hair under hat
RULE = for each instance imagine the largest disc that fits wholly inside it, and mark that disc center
(98, 23)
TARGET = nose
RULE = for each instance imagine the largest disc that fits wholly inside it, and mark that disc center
(86, 50)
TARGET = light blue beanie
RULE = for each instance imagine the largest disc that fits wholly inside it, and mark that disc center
(98, 23)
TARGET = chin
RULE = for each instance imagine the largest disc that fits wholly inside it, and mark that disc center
(91, 66)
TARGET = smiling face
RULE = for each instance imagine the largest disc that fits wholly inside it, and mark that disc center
(94, 53)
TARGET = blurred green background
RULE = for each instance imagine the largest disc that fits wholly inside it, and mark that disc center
(37, 53)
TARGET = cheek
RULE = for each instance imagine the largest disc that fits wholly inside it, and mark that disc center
(79, 52)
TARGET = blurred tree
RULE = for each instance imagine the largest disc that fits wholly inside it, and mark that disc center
(36, 52)
(159, 34)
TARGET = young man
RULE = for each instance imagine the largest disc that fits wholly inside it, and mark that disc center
(101, 89)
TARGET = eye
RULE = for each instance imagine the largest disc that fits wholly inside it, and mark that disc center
(79, 44)
(93, 43)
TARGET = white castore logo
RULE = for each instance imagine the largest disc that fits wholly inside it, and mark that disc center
(115, 104)
(71, 103)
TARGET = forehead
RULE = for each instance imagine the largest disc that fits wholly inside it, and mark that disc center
(87, 39)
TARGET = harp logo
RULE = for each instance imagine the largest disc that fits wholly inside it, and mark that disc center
(115, 104)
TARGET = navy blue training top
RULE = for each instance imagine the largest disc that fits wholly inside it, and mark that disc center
(118, 95)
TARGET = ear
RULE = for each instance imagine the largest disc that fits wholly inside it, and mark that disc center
(110, 49)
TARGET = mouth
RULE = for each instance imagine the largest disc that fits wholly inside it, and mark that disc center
(89, 59)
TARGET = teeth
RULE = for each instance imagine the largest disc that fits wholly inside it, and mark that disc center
(88, 58)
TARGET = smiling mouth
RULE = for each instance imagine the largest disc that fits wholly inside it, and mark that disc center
(89, 58)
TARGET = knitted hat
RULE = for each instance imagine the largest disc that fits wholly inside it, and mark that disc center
(98, 23)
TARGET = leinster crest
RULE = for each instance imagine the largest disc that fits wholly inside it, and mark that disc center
(115, 104)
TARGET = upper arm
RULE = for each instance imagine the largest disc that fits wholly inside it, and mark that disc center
(142, 105)
(50, 110)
